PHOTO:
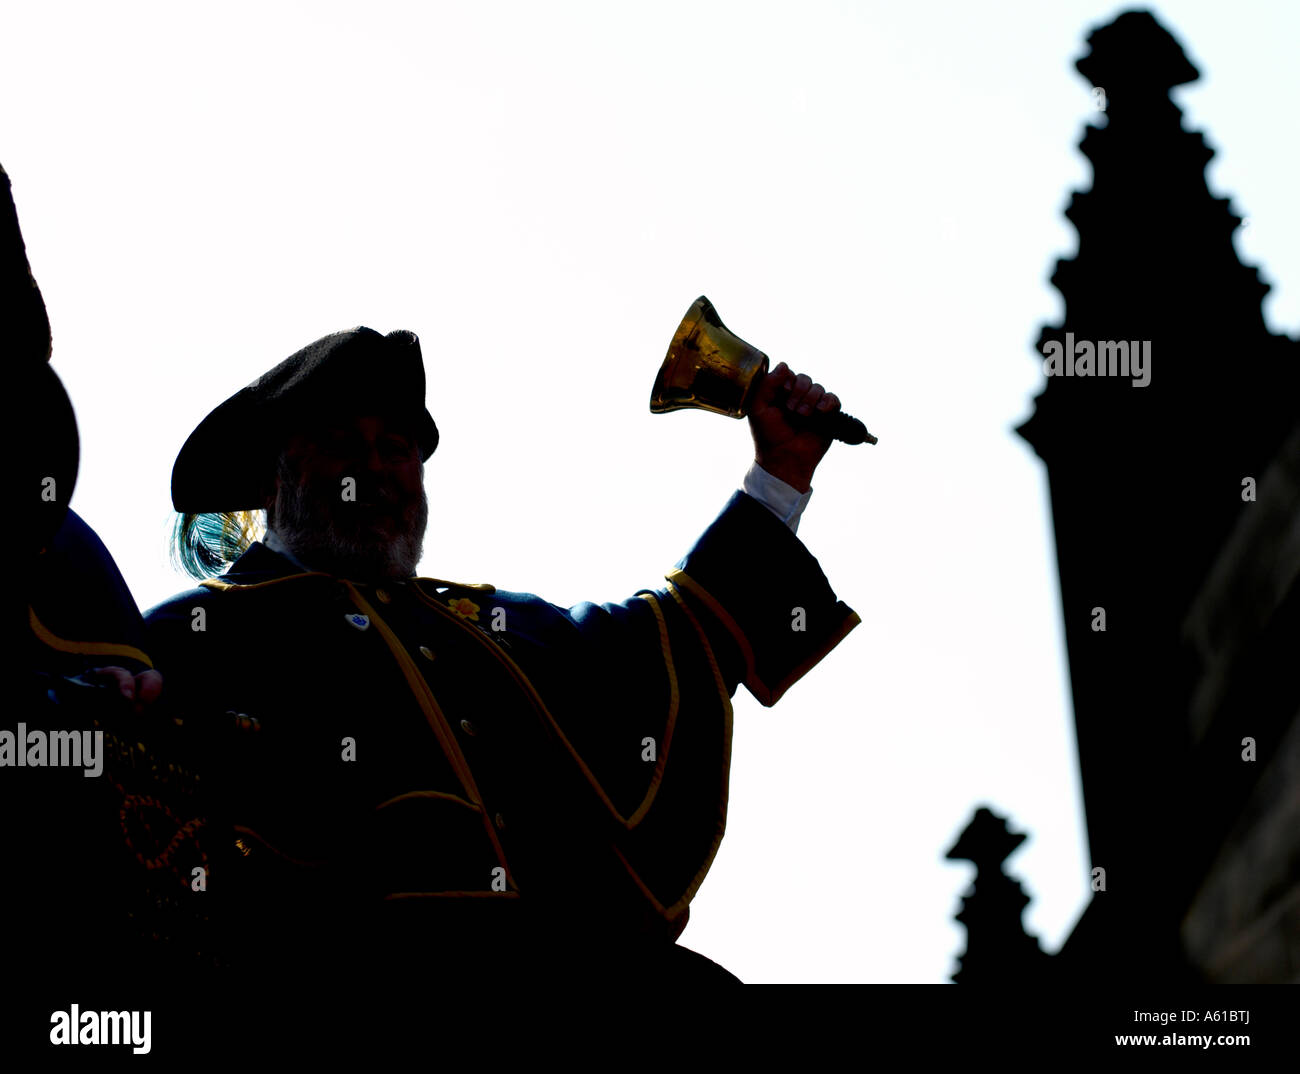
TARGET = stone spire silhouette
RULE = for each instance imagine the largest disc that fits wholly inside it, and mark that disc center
(1146, 481)
(998, 950)
(1153, 241)
(1156, 262)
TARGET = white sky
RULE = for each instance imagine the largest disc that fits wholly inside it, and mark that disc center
(870, 192)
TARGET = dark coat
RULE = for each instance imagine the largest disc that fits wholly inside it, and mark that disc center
(432, 773)
(70, 873)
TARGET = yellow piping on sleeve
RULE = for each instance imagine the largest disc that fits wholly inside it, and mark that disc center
(723, 616)
(766, 696)
(83, 648)
(850, 621)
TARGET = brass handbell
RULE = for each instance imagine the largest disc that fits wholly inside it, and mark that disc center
(708, 367)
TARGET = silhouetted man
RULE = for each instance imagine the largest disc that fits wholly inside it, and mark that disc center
(421, 781)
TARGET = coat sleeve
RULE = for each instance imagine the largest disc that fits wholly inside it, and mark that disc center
(130, 828)
(762, 598)
(80, 612)
(648, 684)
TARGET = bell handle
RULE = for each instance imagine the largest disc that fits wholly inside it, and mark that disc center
(838, 426)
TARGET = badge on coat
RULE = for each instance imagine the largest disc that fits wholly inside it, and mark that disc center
(361, 622)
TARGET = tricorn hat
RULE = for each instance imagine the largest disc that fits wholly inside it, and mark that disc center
(228, 461)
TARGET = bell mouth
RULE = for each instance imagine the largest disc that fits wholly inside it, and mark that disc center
(707, 367)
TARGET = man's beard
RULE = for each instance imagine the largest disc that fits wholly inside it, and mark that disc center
(337, 536)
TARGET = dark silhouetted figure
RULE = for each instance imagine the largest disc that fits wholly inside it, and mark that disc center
(80, 792)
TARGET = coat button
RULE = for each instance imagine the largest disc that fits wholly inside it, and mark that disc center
(426, 652)
(467, 727)
(382, 596)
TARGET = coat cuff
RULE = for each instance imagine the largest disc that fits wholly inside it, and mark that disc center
(762, 587)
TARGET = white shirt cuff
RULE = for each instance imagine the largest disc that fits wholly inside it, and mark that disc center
(784, 501)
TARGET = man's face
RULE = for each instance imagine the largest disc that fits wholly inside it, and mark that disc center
(350, 498)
